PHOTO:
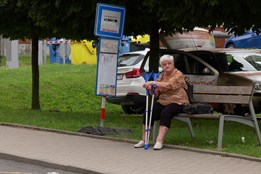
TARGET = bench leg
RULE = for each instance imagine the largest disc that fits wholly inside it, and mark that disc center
(220, 132)
(191, 129)
(252, 111)
(187, 120)
(184, 119)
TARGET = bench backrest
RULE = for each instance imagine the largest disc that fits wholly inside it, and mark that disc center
(223, 94)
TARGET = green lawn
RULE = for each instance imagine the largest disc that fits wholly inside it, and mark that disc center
(68, 102)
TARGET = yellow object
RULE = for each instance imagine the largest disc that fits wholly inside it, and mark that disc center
(83, 52)
(141, 38)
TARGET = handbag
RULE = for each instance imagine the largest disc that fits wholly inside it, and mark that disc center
(195, 108)
(189, 91)
(198, 108)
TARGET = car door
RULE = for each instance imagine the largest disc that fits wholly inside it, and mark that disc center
(198, 71)
(257, 41)
(252, 41)
(248, 40)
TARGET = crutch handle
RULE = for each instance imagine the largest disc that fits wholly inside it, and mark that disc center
(153, 87)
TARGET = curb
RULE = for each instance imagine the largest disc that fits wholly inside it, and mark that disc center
(46, 164)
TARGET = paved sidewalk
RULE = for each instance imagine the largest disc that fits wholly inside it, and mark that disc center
(87, 154)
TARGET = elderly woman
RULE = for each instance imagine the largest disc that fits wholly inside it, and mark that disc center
(171, 93)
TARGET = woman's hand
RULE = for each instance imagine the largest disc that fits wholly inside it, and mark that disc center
(148, 85)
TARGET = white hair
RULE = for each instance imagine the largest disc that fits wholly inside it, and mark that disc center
(166, 57)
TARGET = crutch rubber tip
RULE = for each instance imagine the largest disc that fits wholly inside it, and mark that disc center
(146, 146)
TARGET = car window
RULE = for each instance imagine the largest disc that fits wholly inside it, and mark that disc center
(191, 66)
(207, 57)
(186, 64)
(129, 59)
(255, 61)
(244, 62)
(222, 60)
(146, 66)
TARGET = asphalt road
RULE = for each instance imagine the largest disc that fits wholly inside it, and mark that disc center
(13, 167)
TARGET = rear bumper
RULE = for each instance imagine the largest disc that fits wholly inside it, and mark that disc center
(127, 100)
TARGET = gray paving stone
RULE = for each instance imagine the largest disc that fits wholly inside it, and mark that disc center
(103, 155)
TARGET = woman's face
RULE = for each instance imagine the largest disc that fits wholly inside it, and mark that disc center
(167, 65)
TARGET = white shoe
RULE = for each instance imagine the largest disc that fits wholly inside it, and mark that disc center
(158, 146)
(139, 144)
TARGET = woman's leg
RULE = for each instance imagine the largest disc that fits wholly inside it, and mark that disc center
(167, 115)
(163, 130)
(157, 108)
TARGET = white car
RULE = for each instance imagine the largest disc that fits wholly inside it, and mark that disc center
(129, 93)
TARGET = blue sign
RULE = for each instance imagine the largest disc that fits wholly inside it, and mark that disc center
(109, 21)
(106, 78)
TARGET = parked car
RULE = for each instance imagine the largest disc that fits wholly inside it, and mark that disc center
(129, 92)
(248, 40)
(202, 67)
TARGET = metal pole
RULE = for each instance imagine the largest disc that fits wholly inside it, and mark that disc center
(103, 111)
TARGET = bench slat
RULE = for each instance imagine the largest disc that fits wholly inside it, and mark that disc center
(208, 98)
(244, 90)
(210, 116)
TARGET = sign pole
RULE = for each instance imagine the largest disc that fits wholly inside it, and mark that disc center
(103, 111)
(109, 23)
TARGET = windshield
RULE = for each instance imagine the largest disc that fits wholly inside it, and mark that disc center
(244, 61)
(129, 59)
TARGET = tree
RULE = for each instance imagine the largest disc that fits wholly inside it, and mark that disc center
(15, 24)
(74, 19)
(19, 22)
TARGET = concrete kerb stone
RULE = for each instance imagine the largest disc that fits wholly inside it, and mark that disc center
(46, 164)
(224, 154)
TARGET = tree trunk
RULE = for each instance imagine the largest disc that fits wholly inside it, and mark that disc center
(35, 74)
(154, 51)
(154, 47)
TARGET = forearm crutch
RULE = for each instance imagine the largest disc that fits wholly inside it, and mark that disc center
(146, 77)
(153, 87)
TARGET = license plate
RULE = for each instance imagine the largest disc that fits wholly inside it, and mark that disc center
(119, 77)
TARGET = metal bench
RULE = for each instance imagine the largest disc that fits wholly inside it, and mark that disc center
(222, 95)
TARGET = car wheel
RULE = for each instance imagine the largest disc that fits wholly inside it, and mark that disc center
(231, 46)
(133, 109)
